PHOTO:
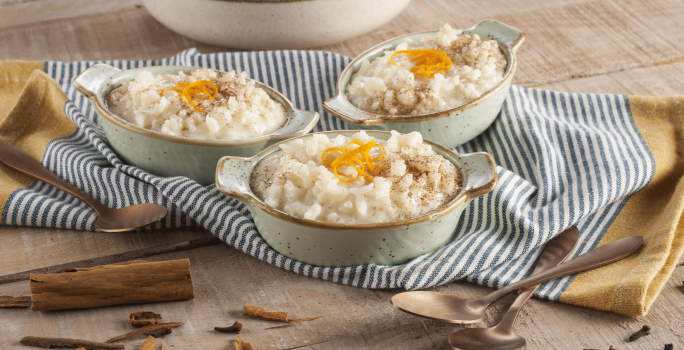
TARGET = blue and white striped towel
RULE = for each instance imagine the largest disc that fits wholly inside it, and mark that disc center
(563, 159)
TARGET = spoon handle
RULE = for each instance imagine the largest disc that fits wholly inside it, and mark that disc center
(598, 257)
(24, 164)
(555, 252)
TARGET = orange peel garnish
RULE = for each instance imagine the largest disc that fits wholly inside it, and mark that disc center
(428, 61)
(349, 158)
(190, 91)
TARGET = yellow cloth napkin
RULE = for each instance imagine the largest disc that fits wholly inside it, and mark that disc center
(631, 286)
(31, 115)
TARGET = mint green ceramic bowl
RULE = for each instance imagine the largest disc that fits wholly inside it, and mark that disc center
(334, 244)
(452, 127)
(167, 155)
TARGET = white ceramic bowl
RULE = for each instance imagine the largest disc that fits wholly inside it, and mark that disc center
(271, 25)
(335, 244)
(451, 127)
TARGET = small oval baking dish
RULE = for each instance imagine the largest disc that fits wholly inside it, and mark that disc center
(168, 155)
(451, 127)
(336, 244)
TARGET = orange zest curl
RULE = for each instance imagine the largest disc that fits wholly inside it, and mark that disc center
(358, 158)
(428, 61)
(190, 91)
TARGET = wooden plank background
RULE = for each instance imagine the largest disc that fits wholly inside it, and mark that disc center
(602, 46)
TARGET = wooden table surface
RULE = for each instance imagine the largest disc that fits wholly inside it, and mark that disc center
(602, 46)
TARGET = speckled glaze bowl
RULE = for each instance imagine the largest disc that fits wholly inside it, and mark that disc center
(273, 24)
(167, 155)
(451, 127)
(334, 244)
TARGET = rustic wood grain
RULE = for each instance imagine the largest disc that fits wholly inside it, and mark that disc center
(24, 12)
(354, 318)
(602, 46)
(26, 250)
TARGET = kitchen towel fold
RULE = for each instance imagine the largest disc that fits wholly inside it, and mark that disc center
(606, 163)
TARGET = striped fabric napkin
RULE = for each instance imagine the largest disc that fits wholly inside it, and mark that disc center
(608, 164)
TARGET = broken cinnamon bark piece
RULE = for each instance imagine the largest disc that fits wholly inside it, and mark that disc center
(281, 326)
(305, 319)
(143, 318)
(114, 284)
(9, 301)
(264, 314)
(270, 315)
(47, 343)
(143, 330)
(159, 332)
(148, 344)
(235, 328)
(240, 344)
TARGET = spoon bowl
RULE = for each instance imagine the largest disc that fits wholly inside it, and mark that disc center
(440, 307)
(108, 219)
(486, 338)
(129, 218)
(450, 308)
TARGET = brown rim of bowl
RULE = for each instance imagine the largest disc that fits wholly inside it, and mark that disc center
(375, 118)
(120, 122)
(432, 216)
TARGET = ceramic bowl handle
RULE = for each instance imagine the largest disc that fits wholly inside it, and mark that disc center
(232, 177)
(89, 82)
(340, 107)
(503, 32)
(481, 170)
(300, 123)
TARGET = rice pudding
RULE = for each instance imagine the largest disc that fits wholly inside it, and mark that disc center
(200, 105)
(356, 179)
(433, 74)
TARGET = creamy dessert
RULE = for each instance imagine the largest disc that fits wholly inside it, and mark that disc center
(433, 74)
(200, 105)
(356, 179)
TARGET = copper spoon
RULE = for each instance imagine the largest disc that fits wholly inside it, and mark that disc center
(108, 220)
(450, 308)
(502, 336)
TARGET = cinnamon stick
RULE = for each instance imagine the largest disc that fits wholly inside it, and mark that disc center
(9, 301)
(143, 330)
(124, 283)
(48, 343)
